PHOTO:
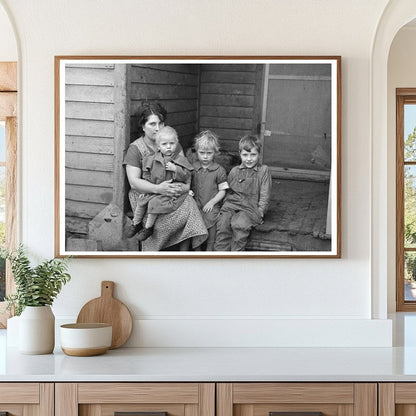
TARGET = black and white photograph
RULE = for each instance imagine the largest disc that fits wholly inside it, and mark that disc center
(197, 156)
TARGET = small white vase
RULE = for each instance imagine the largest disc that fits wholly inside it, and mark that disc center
(37, 330)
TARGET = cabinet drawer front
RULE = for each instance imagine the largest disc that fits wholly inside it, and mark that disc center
(19, 393)
(341, 393)
(405, 393)
(138, 393)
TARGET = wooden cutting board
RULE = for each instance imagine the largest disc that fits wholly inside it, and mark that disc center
(109, 310)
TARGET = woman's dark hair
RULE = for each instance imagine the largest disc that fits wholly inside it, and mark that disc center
(147, 109)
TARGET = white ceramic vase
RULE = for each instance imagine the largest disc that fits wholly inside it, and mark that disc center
(37, 330)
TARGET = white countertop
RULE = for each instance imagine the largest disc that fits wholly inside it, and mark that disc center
(215, 364)
(221, 364)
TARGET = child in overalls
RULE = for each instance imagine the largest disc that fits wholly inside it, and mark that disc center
(209, 183)
(166, 164)
(247, 199)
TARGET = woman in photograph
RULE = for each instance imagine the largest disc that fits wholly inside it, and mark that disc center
(183, 227)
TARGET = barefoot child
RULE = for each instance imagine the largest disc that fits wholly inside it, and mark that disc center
(247, 200)
(165, 164)
(209, 182)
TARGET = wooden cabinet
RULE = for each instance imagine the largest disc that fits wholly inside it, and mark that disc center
(105, 399)
(208, 399)
(397, 399)
(27, 399)
(331, 399)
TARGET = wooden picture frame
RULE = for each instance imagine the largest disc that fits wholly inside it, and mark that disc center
(291, 104)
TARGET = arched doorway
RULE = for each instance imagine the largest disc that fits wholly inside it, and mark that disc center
(8, 150)
(395, 16)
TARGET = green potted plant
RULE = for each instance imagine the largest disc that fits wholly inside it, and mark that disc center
(36, 289)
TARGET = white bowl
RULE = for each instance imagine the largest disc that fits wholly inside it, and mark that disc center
(85, 339)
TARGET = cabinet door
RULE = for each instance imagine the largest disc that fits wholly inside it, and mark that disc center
(26, 399)
(297, 399)
(397, 399)
(143, 399)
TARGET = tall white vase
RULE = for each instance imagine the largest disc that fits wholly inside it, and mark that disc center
(37, 330)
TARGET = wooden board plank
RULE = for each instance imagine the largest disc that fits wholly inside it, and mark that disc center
(8, 105)
(405, 393)
(345, 410)
(223, 111)
(340, 393)
(89, 111)
(386, 399)
(8, 76)
(89, 76)
(97, 194)
(91, 128)
(121, 136)
(19, 393)
(146, 75)
(170, 105)
(226, 123)
(84, 144)
(138, 393)
(229, 67)
(89, 93)
(182, 118)
(172, 67)
(185, 130)
(207, 399)
(188, 129)
(47, 403)
(157, 92)
(191, 410)
(82, 209)
(365, 395)
(77, 226)
(88, 177)
(229, 134)
(173, 120)
(89, 161)
(66, 399)
(233, 77)
(224, 399)
(227, 100)
(227, 88)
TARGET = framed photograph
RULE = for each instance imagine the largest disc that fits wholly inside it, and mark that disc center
(198, 156)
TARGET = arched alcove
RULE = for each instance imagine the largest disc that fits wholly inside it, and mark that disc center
(396, 15)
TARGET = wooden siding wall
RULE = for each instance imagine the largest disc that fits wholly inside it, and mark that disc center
(175, 86)
(230, 101)
(89, 156)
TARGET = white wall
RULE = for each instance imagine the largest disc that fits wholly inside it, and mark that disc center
(401, 74)
(8, 45)
(211, 302)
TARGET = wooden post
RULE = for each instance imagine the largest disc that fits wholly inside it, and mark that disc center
(121, 132)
